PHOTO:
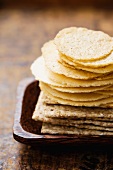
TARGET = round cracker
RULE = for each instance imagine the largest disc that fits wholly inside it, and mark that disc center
(108, 60)
(71, 64)
(70, 82)
(51, 57)
(72, 96)
(98, 103)
(105, 92)
(39, 71)
(80, 89)
(83, 44)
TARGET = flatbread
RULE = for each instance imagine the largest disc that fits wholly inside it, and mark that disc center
(92, 96)
(81, 89)
(83, 44)
(54, 129)
(51, 57)
(105, 92)
(71, 112)
(108, 60)
(70, 82)
(40, 72)
(98, 103)
(72, 65)
(39, 115)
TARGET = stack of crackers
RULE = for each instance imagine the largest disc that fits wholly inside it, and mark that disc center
(75, 74)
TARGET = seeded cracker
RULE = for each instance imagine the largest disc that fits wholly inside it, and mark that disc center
(71, 64)
(73, 96)
(51, 57)
(53, 129)
(75, 74)
(83, 44)
(70, 112)
(81, 89)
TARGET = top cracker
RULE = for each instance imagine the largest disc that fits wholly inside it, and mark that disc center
(83, 44)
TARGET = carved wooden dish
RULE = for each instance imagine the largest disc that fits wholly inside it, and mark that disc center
(28, 131)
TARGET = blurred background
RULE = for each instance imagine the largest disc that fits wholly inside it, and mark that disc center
(25, 25)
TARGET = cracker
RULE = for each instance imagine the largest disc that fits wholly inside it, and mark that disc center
(72, 96)
(53, 129)
(83, 44)
(105, 76)
(80, 89)
(70, 82)
(38, 69)
(106, 92)
(108, 60)
(42, 74)
(98, 103)
(84, 124)
(69, 63)
(39, 115)
(70, 112)
(51, 57)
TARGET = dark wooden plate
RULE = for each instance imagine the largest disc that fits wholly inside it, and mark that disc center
(28, 131)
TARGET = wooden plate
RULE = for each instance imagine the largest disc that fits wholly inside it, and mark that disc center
(28, 131)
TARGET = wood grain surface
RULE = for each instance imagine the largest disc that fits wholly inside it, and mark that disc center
(22, 33)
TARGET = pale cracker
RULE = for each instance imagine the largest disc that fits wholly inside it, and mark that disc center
(51, 57)
(38, 69)
(83, 44)
(105, 92)
(70, 112)
(98, 103)
(92, 96)
(71, 64)
(81, 89)
(42, 74)
(70, 82)
(108, 60)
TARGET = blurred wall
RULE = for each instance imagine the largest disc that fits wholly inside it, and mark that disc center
(54, 3)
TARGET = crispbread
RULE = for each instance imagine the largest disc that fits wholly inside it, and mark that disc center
(108, 60)
(106, 92)
(54, 129)
(72, 65)
(98, 103)
(83, 44)
(86, 124)
(75, 78)
(105, 76)
(80, 89)
(38, 69)
(51, 57)
(92, 96)
(80, 123)
(70, 112)
(42, 74)
(70, 82)
(39, 115)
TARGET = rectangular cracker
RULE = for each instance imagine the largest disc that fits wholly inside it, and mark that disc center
(39, 114)
(72, 112)
(79, 123)
(54, 129)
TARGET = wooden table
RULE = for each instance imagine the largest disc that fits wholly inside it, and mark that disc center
(22, 34)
